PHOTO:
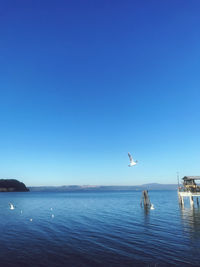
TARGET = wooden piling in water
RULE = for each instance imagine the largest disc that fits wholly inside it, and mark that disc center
(145, 199)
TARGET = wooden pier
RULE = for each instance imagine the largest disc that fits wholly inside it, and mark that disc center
(189, 189)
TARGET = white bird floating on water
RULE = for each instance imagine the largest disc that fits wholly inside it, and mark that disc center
(52, 216)
(11, 206)
(152, 207)
(132, 162)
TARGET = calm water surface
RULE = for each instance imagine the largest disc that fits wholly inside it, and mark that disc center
(97, 229)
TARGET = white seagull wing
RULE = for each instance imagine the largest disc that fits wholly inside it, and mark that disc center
(130, 157)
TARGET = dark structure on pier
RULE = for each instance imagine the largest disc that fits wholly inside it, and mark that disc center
(189, 189)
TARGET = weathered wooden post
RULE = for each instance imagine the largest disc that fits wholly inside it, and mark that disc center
(145, 199)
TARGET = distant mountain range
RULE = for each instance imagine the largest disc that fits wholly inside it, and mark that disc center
(86, 188)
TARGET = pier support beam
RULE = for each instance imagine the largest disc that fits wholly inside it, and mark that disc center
(191, 201)
(181, 200)
(193, 197)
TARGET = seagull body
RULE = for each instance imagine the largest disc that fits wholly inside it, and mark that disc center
(11, 206)
(132, 162)
(152, 207)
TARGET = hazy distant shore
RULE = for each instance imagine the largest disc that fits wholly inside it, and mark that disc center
(72, 188)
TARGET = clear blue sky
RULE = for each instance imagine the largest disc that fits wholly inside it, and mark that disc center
(85, 82)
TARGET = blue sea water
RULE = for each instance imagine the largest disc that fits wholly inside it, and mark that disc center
(97, 229)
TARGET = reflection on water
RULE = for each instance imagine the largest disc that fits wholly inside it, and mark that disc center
(146, 210)
(191, 220)
(146, 216)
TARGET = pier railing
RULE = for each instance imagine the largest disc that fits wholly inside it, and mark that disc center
(191, 189)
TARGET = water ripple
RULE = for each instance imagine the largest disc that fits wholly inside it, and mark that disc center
(97, 229)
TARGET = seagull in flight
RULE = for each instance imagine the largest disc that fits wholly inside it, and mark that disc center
(132, 162)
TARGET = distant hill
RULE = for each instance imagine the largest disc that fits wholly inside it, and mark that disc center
(12, 185)
(156, 186)
(86, 188)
